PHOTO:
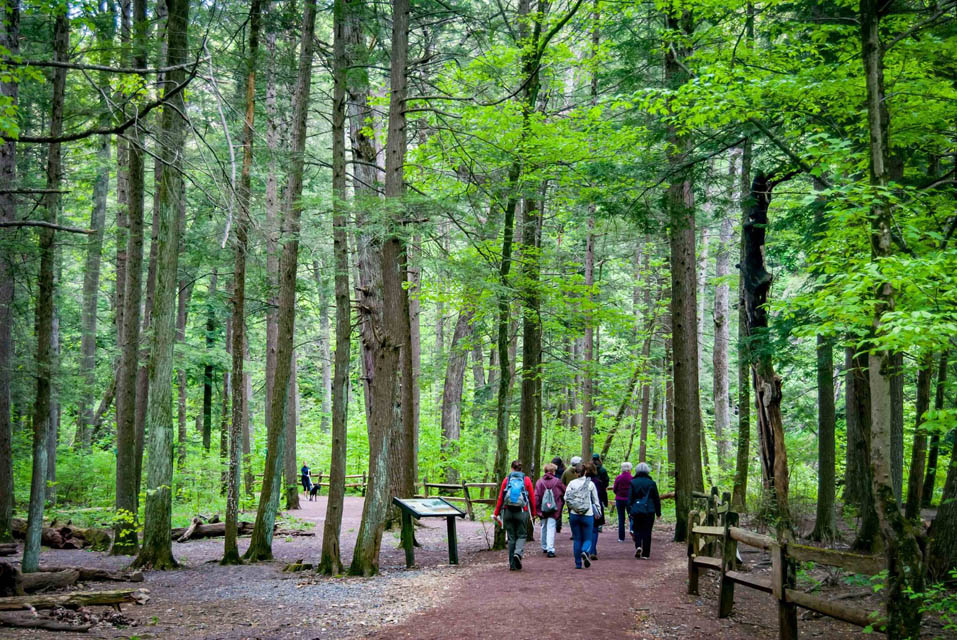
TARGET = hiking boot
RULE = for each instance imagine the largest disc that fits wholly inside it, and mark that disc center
(518, 562)
(638, 552)
(551, 554)
(585, 560)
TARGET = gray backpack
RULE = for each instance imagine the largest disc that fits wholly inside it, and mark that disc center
(578, 497)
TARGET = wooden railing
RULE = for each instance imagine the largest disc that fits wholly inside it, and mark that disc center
(713, 545)
(486, 493)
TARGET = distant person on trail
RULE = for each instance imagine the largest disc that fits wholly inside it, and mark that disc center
(602, 481)
(571, 472)
(622, 488)
(549, 494)
(559, 472)
(644, 505)
(581, 496)
(516, 504)
(306, 480)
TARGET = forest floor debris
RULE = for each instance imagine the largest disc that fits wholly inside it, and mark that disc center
(625, 598)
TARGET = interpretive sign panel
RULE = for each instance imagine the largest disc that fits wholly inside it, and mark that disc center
(429, 507)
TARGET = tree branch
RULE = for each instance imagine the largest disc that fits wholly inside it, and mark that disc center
(43, 223)
(95, 67)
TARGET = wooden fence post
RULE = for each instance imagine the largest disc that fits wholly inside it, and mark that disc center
(692, 552)
(783, 578)
(729, 553)
(425, 486)
(468, 501)
(364, 484)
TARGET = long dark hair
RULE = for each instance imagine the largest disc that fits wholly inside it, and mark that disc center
(588, 470)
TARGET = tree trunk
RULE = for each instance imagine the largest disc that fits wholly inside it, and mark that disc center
(743, 453)
(91, 269)
(767, 384)
(185, 293)
(325, 351)
(45, 305)
(391, 424)
(680, 206)
(273, 207)
(240, 247)
(930, 477)
(704, 244)
(452, 393)
(260, 546)
(156, 552)
(858, 408)
(208, 367)
(904, 559)
(897, 425)
(587, 420)
(531, 336)
(722, 330)
(9, 89)
(824, 524)
(291, 469)
(915, 479)
(330, 562)
(124, 537)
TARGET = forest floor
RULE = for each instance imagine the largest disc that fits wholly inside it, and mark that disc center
(618, 597)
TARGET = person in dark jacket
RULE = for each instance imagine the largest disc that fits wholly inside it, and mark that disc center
(305, 477)
(644, 505)
(549, 520)
(602, 482)
(622, 487)
(559, 472)
(514, 516)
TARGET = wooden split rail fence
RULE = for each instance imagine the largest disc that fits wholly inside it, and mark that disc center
(472, 492)
(713, 545)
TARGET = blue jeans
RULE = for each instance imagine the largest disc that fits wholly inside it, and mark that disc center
(581, 534)
(621, 506)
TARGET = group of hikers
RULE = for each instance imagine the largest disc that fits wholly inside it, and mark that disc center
(582, 487)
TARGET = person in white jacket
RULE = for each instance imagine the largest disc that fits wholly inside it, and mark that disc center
(581, 496)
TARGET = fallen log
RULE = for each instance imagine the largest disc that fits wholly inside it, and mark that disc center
(8, 548)
(47, 580)
(75, 599)
(208, 531)
(93, 574)
(30, 622)
(190, 530)
(66, 536)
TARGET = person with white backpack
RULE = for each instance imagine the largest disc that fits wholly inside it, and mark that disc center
(581, 496)
(549, 495)
(515, 506)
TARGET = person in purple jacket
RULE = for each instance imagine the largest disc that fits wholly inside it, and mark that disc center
(622, 487)
(549, 517)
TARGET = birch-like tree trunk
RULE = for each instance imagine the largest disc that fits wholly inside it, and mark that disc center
(452, 392)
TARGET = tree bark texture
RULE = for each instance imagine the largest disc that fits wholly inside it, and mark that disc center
(722, 330)
(680, 206)
(156, 551)
(124, 537)
(452, 392)
(45, 306)
(825, 528)
(930, 476)
(208, 370)
(767, 384)
(904, 558)
(739, 493)
(9, 88)
(260, 546)
(391, 425)
(290, 468)
(330, 562)
(240, 248)
(915, 479)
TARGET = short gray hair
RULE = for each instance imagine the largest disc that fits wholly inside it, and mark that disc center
(643, 468)
(626, 466)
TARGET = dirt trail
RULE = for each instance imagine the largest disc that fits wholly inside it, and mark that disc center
(618, 597)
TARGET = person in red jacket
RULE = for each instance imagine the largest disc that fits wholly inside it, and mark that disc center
(514, 508)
